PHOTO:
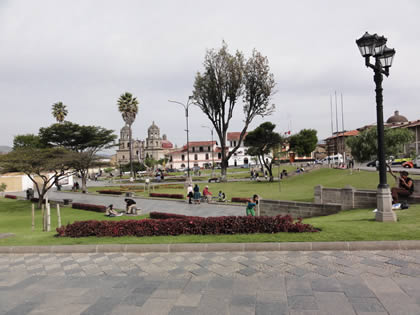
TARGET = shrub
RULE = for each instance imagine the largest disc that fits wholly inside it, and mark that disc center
(174, 196)
(85, 206)
(10, 196)
(110, 192)
(239, 199)
(187, 225)
(35, 199)
(165, 216)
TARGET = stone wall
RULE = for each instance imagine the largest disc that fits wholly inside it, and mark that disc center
(296, 209)
(348, 197)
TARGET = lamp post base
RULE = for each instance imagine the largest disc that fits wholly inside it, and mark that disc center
(384, 205)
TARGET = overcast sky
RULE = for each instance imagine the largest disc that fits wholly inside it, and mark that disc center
(87, 53)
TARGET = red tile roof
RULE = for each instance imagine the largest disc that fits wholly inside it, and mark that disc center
(167, 144)
(346, 134)
(234, 135)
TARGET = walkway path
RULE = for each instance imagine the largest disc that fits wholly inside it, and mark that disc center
(148, 205)
(323, 282)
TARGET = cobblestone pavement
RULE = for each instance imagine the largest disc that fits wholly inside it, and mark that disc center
(324, 282)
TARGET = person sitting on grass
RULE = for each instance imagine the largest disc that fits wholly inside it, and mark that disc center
(130, 206)
(110, 212)
(207, 194)
(222, 196)
(252, 203)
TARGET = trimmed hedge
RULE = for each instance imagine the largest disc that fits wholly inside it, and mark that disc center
(174, 196)
(10, 196)
(189, 225)
(85, 206)
(165, 216)
(110, 192)
(240, 199)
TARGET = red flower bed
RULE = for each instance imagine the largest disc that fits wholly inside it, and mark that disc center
(188, 225)
(85, 206)
(10, 196)
(165, 216)
(239, 199)
(110, 192)
(174, 196)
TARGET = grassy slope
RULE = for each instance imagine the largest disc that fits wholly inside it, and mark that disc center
(351, 225)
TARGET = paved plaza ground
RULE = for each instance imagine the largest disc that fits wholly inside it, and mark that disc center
(319, 282)
(149, 205)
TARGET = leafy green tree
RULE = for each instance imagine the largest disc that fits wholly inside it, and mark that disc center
(128, 107)
(27, 141)
(137, 167)
(263, 142)
(86, 141)
(59, 111)
(364, 146)
(226, 79)
(304, 142)
(44, 167)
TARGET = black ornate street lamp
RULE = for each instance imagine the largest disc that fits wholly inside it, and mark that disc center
(374, 46)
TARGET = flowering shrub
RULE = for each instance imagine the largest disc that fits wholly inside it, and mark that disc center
(187, 225)
(10, 196)
(85, 206)
(239, 199)
(110, 192)
(174, 196)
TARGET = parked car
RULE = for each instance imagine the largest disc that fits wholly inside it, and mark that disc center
(375, 163)
(371, 163)
(413, 163)
(400, 161)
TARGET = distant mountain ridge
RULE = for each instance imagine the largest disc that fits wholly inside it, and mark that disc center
(5, 149)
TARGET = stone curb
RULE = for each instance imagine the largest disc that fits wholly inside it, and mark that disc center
(214, 247)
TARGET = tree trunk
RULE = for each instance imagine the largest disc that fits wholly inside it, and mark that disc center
(131, 151)
(84, 187)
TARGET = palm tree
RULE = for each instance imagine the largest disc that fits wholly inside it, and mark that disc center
(59, 111)
(128, 107)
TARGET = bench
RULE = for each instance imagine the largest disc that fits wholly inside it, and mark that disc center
(214, 179)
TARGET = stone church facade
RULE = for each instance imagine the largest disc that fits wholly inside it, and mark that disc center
(154, 146)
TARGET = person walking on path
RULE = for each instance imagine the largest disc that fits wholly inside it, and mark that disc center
(252, 203)
(405, 187)
(190, 193)
(197, 195)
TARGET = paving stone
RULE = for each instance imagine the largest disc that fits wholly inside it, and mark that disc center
(298, 287)
(326, 285)
(356, 288)
(248, 271)
(136, 299)
(183, 310)
(243, 300)
(333, 303)
(366, 305)
(299, 302)
(104, 305)
(271, 309)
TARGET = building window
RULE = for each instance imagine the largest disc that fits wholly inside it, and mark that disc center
(137, 152)
(234, 143)
(183, 157)
(219, 155)
(193, 149)
(122, 145)
(207, 156)
(182, 165)
(195, 157)
(156, 143)
(208, 149)
(201, 149)
(123, 157)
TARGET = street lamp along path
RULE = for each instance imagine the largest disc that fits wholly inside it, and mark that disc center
(374, 46)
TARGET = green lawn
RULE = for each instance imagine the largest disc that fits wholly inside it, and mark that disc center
(298, 188)
(352, 225)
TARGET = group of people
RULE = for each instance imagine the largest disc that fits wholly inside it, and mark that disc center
(194, 194)
(130, 209)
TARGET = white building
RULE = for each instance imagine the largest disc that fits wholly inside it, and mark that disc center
(201, 154)
(240, 157)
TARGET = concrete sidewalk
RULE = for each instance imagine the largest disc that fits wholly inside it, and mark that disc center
(149, 205)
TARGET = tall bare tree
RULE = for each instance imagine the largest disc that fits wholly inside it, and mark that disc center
(59, 111)
(128, 107)
(226, 79)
